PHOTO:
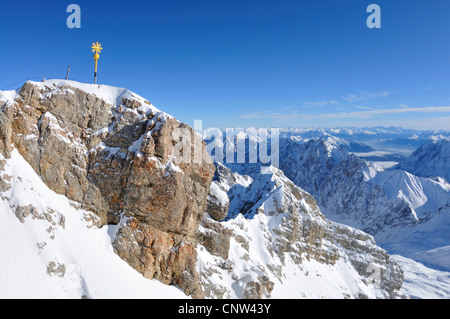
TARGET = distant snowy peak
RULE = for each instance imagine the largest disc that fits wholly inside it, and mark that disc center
(343, 143)
(348, 145)
(439, 137)
(402, 210)
(395, 140)
(310, 164)
(358, 131)
(431, 159)
(423, 195)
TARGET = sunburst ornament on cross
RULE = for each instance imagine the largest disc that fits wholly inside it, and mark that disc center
(96, 48)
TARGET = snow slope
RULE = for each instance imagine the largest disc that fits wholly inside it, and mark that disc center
(421, 282)
(424, 195)
(54, 250)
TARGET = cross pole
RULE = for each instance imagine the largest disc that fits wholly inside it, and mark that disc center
(96, 48)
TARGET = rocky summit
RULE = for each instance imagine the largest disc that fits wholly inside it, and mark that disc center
(145, 180)
(113, 152)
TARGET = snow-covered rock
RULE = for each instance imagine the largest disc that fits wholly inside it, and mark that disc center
(283, 247)
(423, 195)
(405, 213)
(342, 185)
(431, 159)
(394, 206)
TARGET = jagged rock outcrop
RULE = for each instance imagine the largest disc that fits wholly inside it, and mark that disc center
(215, 237)
(218, 203)
(123, 159)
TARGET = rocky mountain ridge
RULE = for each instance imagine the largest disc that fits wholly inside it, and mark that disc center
(407, 214)
(117, 161)
(115, 157)
(279, 244)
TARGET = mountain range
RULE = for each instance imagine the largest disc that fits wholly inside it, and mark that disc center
(98, 201)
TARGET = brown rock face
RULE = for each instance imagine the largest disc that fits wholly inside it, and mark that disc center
(215, 238)
(168, 257)
(122, 159)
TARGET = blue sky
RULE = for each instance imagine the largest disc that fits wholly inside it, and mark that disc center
(247, 63)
